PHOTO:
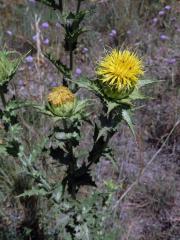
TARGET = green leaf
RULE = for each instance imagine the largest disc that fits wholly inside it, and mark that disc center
(88, 84)
(103, 132)
(33, 192)
(136, 95)
(145, 82)
(3, 150)
(57, 193)
(127, 118)
(111, 106)
(66, 136)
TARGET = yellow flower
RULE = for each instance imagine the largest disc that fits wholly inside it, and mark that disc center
(60, 95)
(119, 71)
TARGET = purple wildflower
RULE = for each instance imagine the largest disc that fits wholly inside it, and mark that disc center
(171, 61)
(78, 71)
(155, 20)
(161, 13)
(164, 37)
(53, 84)
(129, 32)
(21, 83)
(85, 50)
(29, 59)
(45, 25)
(35, 37)
(46, 41)
(9, 32)
(113, 33)
(168, 7)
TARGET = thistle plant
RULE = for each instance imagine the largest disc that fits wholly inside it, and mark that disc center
(116, 85)
(9, 64)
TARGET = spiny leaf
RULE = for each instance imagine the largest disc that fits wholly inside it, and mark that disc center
(88, 84)
(111, 106)
(136, 95)
(103, 132)
(33, 192)
(145, 82)
(127, 118)
(57, 193)
(66, 136)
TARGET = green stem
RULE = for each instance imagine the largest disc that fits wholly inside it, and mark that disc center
(71, 60)
(98, 149)
(65, 82)
(78, 6)
(3, 98)
(60, 6)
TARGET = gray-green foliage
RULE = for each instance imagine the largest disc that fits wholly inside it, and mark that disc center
(8, 66)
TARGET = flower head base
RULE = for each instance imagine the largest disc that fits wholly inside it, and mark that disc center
(62, 102)
(118, 73)
(60, 96)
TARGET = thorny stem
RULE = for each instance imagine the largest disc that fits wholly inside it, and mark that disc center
(98, 149)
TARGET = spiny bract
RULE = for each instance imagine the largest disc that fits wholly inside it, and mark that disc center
(119, 71)
(60, 96)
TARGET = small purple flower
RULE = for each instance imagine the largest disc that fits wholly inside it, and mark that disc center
(53, 84)
(171, 61)
(161, 13)
(45, 25)
(29, 59)
(113, 33)
(155, 20)
(21, 83)
(129, 32)
(9, 32)
(164, 37)
(168, 7)
(85, 50)
(78, 71)
(35, 37)
(46, 41)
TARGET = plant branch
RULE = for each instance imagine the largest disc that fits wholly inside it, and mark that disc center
(78, 6)
(71, 60)
(61, 6)
(3, 98)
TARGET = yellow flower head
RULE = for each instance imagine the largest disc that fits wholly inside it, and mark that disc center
(119, 71)
(60, 95)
